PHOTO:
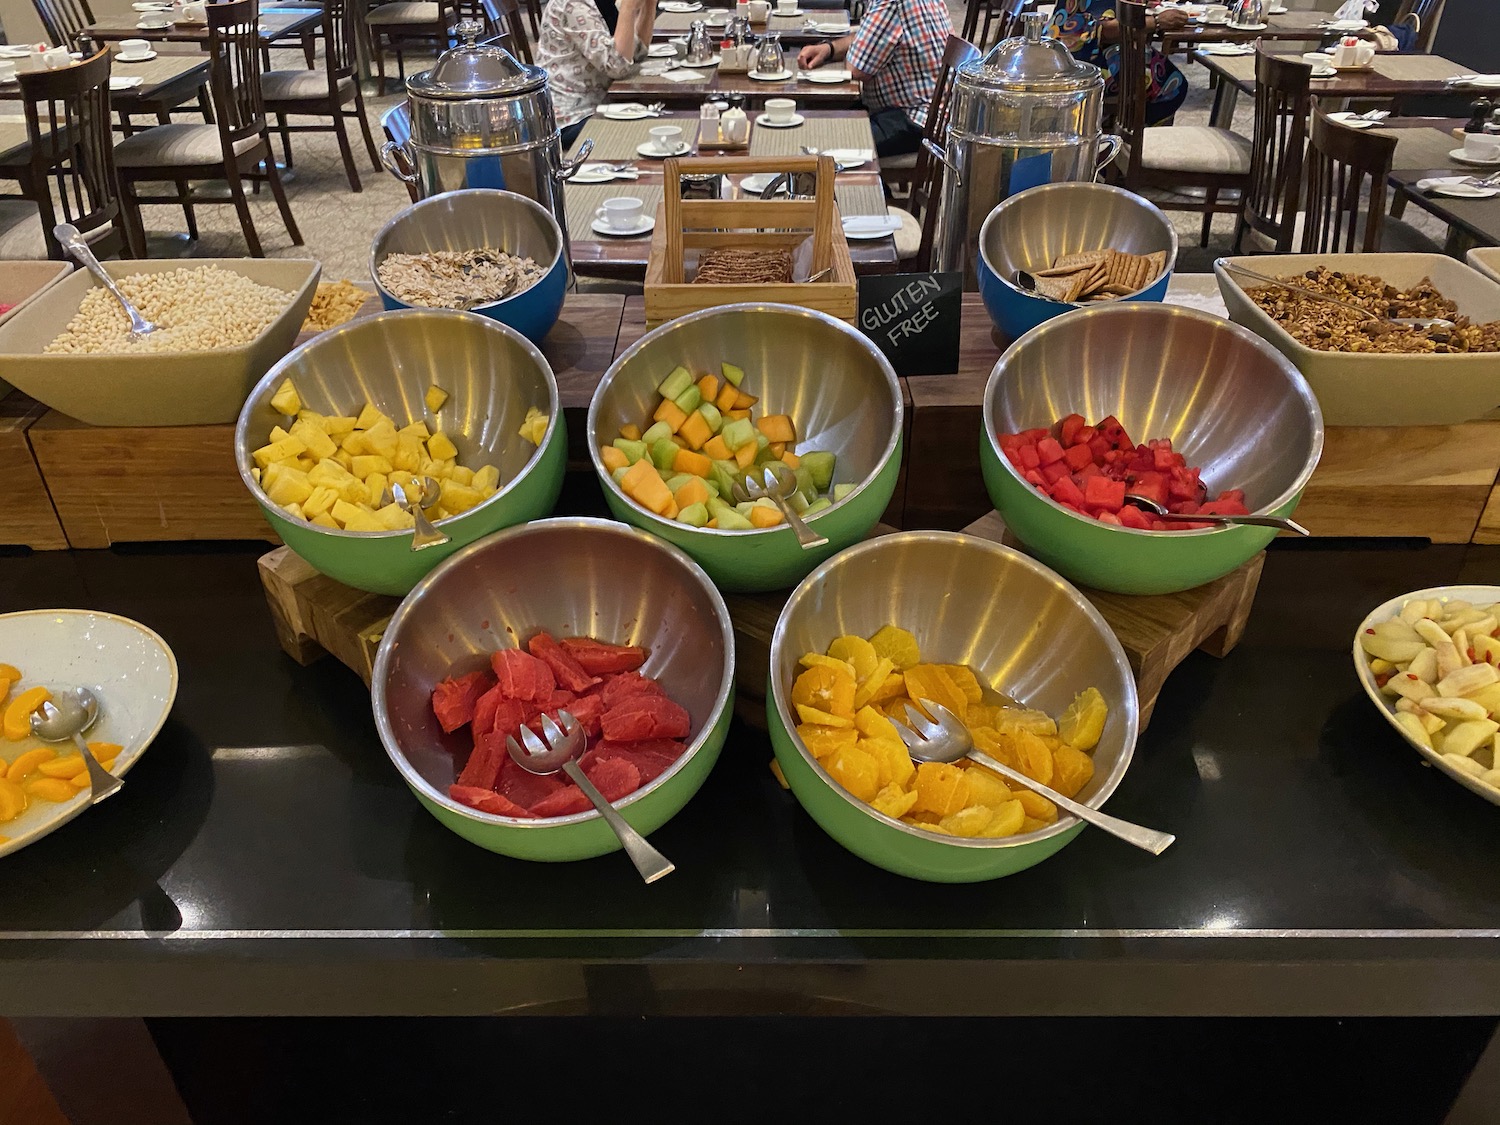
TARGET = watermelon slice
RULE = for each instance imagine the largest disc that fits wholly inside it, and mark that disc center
(621, 687)
(645, 716)
(615, 777)
(565, 802)
(600, 659)
(527, 789)
(453, 700)
(523, 676)
(568, 672)
(487, 800)
(483, 768)
(497, 713)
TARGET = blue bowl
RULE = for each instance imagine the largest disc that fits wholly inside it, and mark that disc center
(1033, 228)
(484, 217)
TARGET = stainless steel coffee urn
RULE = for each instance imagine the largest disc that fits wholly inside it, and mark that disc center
(1024, 114)
(481, 119)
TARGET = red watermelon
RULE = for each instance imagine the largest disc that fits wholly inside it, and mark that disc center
(565, 802)
(453, 700)
(600, 659)
(487, 800)
(645, 716)
(522, 676)
(569, 672)
(482, 769)
(497, 713)
(620, 687)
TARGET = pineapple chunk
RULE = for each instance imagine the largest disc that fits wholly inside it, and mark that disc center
(282, 450)
(364, 520)
(295, 509)
(370, 417)
(393, 518)
(278, 434)
(321, 500)
(436, 396)
(417, 430)
(353, 491)
(460, 475)
(343, 511)
(382, 439)
(376, 484)
(286, 400)
(323, 519)
(439, 448)
(313, 439)
(457, 497)
(534, 428)
(289, 487)
(338, 425)
(354, 442)
(329, 472)
(408, 452)
(364, 466)
(344, 458)
(312, 417)
(486, 479)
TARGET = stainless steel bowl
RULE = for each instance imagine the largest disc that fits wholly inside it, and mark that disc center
(1025, 631)
(571, 577)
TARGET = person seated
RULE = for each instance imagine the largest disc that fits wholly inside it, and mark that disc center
(896, 51)
(584, 45)
(1091, 31)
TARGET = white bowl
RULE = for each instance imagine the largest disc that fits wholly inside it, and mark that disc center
(1479, 595)
(125, 664)
(1486, 259)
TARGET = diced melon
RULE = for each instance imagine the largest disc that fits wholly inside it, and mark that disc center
(821, 504)
(841, 490)
(695, 430)
(737, 414)
(630, 432)
(439, 448)
(777, 427)
(761, 516)
(790, 459)
(435, 398)
(286, 400)
(742, 401)
(689, 399)
(670, 413)
(708, 388)
(694, 515)
(612, 458)
(655, 432)
(732, 521)
(679, 380)
(737, 434)
(693, 492)
(644, 485)
(687, 461)
(821, 466)
(744, 456)
(712, 416)
(633, 450)
(664, 453)
(726, 397)
(716, 448)
(732, 374)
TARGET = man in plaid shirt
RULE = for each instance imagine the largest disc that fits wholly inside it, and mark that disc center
(896, 52)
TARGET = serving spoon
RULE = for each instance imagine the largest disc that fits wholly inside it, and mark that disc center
(1281, 523)
(68, 237)
(1402, 321)
(64, 718)
(777, 487)
(424, 534)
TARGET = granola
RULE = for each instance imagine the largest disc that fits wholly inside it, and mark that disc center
(1329, 328)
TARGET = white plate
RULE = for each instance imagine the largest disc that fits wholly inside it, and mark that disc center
(645, 225)
(125, 664)
(1479, 595)
(126, 83)
(685, 76)
(135, 58)
(1478, 81)
(1350, 120)
(624, 111)
(828, 28)
(1229, 49)
(14, 51)
(1458, 155)
(826, 76)
(9, 79)
(1279, 10)
(782, 77)
(1346, 25)
(599, 174)
(151, 7)
(1249, 26)
(754, 185)
(1457, 187)
(646, 148)
(701, 65)
(790, 123)
(679, 6)
(870, 226)
(661, 51)
(849, 157)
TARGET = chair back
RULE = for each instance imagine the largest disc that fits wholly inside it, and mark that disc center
(396, 125)
(64, 19)
(1002, 20)
(1424, 15)
(502, 19)
(1281, 106)
(339, 51)
(1339, 163)
(1135, 81)
(927, 176)
(68, 127)
(234, 69)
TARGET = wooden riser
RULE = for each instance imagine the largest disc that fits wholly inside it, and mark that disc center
(27, 518)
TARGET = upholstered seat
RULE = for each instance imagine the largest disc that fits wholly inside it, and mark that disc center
(1195, 148)
(909, 236)
(1396, 237)
(300, 85)
(176, 146)
(21, 237)
(405, 11)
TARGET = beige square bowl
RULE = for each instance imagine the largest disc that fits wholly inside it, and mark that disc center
(1359, 389)
(152, 388)
(20, 282)
(1486, 259)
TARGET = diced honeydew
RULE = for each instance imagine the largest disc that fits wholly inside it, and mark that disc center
(655, 432)
(821, 466)
(732, 374)
(694, 515)
(674, 384)
(633, 450)
(712, 416)
(689, 400)
(841, 490)
(821, 504)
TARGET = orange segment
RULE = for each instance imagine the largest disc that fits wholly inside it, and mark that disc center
(899, 646)
(822, 718)
(17, 722)
(827, 689)
(28, 762)
(823, 742)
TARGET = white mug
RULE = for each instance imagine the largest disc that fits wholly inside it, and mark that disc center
(134, 48)
(780, 109)
(623, 212)
(786, 7)
(1482, 146)
(56, 58)
(760, 11)
(1216, 13)
(666, 138)
(194, 12)
(153, 22)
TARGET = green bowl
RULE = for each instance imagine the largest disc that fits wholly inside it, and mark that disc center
(571, 577)
(1025, 631)
(839, 390)
(1231, 403)
(492, 375)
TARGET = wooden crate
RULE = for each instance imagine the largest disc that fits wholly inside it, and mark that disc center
(27, 518)
(686, 226)
(316, 616)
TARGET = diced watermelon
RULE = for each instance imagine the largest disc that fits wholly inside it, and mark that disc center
(1083, 474)
(1110, 518)
(1114, 432)
(600, 659)
(1048, 450)
(486, 800)
(615, 777)
(453, 700)
(1054, 472)
(1034, 477)
(1035, 435)
(1099, 446)
(626, 684)
(1067, 431)
(1165, 459)
(1065, 491)
(1153, 486)
(1100, 492)
(567, 671)
(1014, 457)
(1085, 435)
(523, 676)
(1131, 516)
(565, 802)
(1030, 458)
(645, 716)
(1077, 456)
(483, 768)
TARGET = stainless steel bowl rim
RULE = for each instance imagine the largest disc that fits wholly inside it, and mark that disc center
(412, 208)
(608, 481)
(1143, 309)
(411, 603)
(1130, 705)
(242, 446)
(1073, 186)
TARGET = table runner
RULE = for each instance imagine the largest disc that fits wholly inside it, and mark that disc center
(1417, 68)
(618, 140)
(581, 201)
(681, 22)
(1422, 148)
(860, 199)
(815, 132)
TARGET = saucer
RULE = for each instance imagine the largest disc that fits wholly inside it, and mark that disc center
(661, 51)
(595, 173)
(790, 123)
(1456, 187)
(1351, 120)
(1458, 155)
(125, 83)
(847, 158)
(8, 79)
(646, 148)
(828, 76)
(142, 57)
(1324, 72)
(13, 51)
(701, 65)
(645, 224)
(754, 185)
(870, 226)
(679, 6)
(624, 111)
(1353, 66)
(781, 77)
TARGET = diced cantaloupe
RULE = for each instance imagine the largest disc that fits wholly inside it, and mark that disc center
(791, 460)
(726, 397)
(687, 461)
(613, 458)
(693, 492)
(776, 427)
(708, 387)
(778, 449)
(670, 413)
(695, 430)
(762, 516)
(671, 511)
(716, 448)
(744, 456)
(745, 413)
(643, 484)
(742, 401)
(630, 432)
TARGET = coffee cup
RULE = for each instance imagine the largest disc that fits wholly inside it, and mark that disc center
(194, 12)
(787, 7)
(666, 138)
(153, 21)
(623, 212)
(1216, 13)
(760, 11)
(780, 110)
(7, 70)
(1482, 146)
(134, 48)
(55, 58)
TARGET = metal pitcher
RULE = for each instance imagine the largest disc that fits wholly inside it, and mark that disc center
(769, 58)
(1026, 113)
(700, 47)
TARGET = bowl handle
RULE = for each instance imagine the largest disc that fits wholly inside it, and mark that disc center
(942, 158)
(398, 161)
(566, 168)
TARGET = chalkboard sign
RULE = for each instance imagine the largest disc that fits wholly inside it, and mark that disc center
(913, 318)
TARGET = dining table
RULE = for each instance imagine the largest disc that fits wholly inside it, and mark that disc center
(175, 75)
(858, 191)
(1429, 153)
(1306, 26)
(691, 91)
(813, 26)
(13, 141)
(275, 23)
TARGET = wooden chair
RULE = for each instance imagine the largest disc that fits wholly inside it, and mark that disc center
(904, 170)
(1282, 101)
(396, 125)
(503, 26)
(1424, 16)
(69, 134)
(64, 19)
(405, 24)
(919, 222)
(1343, 165)
(1168, 158)
(325, 93)
(235, 148)
(986, 22)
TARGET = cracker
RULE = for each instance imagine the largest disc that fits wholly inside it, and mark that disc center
(1055, 271)
(1079, 261)
(1158, 262)
(1076, 286)
(1115, 289)
(1055, 288)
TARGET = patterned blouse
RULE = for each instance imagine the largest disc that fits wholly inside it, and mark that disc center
(900, 45)
(578, 52)
(1076, 23)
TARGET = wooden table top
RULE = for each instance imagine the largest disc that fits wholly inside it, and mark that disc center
(170, 68)
(1388, 76)
(792, 29)
(1477, 218)
(13, 141)
(678, 94)
(1284, 25)
(274, 23)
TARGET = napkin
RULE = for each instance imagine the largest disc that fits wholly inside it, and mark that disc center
(129, 82)
(687, 75)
